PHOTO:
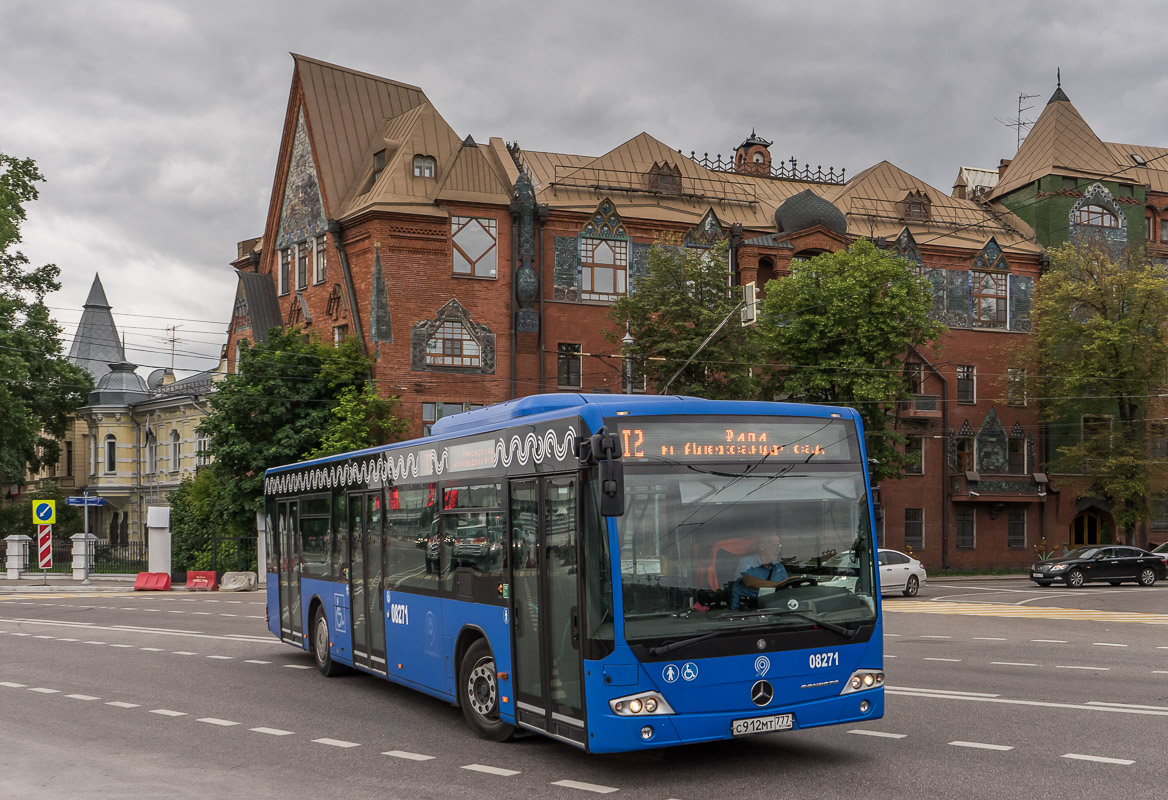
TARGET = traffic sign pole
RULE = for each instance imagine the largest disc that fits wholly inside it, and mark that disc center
(85, 570)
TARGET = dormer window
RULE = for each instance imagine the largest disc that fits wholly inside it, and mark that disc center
(915, 207)
(378, 164)
(424, 166)
(758, 158)
(665, 178)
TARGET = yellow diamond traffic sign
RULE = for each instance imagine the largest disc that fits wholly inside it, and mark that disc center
(44, 512)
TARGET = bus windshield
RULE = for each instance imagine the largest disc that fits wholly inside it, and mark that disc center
(691, 531)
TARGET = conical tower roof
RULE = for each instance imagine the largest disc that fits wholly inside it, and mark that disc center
(96, 344)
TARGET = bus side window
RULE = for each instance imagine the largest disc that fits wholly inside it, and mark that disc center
(411, 545)
(339, 555)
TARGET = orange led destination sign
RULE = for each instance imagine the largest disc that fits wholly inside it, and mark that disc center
(801, 440)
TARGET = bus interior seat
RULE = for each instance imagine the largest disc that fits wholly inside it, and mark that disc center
(725, 555)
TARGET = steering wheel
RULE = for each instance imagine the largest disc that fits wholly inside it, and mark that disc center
(802, 580)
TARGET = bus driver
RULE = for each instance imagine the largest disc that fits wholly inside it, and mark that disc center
(759, 570)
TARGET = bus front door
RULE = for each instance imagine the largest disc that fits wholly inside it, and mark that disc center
(545, 547)
(365, 589)
(288, 539)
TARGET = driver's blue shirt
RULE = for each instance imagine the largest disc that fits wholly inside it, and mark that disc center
(752, 565)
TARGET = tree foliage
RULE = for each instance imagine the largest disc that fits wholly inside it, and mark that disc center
(679, 302)
(1099, 345)
(282, 404)
(836, 331)
(39, 387)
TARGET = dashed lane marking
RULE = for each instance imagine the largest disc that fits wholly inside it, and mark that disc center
(43, 690)
(1071, 666)
(223, 723)
(12, 685)
(337, 742)
(166, 712)
(271, 731)
(120, 704)
(82, 697)
(982, 746)
(880, 734)
(935, 695)
(586, 787)
(407, 756)
(183, 653)
(990, 639)
(153, 649)
(1049, 641)
(1124, 762)
(931, 636)
(298, 666)
(1022, 612)
(222, 658)
(255, 661)
(942, 659)
(1012, 664)
(490, 770)
(1107, 644)
(1127, 705)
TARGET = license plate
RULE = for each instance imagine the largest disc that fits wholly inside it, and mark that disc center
(1035, 574)
(779, 722)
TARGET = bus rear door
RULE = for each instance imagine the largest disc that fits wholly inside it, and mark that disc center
(365, 570)
(545, 575)
(287, 542)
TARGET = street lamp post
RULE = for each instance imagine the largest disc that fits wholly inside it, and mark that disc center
(627, 342)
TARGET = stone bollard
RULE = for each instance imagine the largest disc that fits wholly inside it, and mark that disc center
(84, 552)
(18, 545)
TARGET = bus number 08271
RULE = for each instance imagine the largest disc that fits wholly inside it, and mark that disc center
(823, 660)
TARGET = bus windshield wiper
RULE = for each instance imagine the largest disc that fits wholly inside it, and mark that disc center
(669, 648)
(842, 630)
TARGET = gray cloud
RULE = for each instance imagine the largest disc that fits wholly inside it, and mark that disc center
(157, 122)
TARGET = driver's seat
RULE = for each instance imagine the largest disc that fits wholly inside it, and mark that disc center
(724, 557)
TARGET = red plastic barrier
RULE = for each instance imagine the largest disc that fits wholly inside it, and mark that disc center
(152, 582)
(202, 581)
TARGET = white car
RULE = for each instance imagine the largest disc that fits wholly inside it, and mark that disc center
(900, 573)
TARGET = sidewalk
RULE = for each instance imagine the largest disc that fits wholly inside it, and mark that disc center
(63, 582)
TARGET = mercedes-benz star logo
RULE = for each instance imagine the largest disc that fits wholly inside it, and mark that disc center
(762, 692)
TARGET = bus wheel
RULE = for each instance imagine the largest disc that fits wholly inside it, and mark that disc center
(320, 646)
(478, 693)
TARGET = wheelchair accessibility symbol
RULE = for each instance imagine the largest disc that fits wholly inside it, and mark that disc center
(338, 614)
(689, 671)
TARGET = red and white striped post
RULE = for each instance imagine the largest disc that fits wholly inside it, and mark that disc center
(45, 546)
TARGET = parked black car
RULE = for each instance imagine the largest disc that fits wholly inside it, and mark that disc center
(1111, 563)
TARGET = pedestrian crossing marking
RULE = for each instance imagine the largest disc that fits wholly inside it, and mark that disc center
(1021, 612)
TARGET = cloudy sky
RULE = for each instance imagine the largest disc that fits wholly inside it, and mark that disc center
(156, 122)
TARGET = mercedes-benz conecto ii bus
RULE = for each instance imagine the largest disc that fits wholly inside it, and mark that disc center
(574, 565)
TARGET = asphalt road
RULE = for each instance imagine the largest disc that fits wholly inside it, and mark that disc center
(995, 688)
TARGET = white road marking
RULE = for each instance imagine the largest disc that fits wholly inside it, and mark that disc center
(42, 636)
(223, 723)
(120, 704)
(892, 634)
(587, 787)
(12, 685)
(490, 770)
(990, 639)
(234, 637)
(1127, 705)
(222, 658)
(82, 697)
(152, 649)
(927, 636)
(43, 690)
(336, 742)
(888, 656)
(22, 634)
(202, 613)
(982, 745)
(166, 712)
(1094, 669)
(183, 653)
(271, 731)
(407, 756)
(228, 615)
(1033, 703)
(941, 659)
(298, 666)
(1050, 641)
(121, 645)
(68, 640)
(1012, 664)
(1101, 759)
(256, 661)
(93, 642)
(1108, 644)
(1160, 672)
(881, 734)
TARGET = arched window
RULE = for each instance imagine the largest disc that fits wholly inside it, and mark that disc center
(1164, 229)
(1149, 223)
(1096, 215)
(111, 454)
(175, 450)
(151, 454)
(424, 166)
(452, 346)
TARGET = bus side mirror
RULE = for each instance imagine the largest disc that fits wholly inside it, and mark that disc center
(603, 449)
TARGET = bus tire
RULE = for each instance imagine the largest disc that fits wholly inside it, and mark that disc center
(478, 693)
(320, 646)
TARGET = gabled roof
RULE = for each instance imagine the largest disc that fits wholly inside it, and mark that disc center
(345, 110)
(96, 344)
(262, 303)
(1060, 143)
(419, 131)
(1154, 171)
(473, 177)
(976, 177)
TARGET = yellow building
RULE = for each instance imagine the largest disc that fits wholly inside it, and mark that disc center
(136, 439)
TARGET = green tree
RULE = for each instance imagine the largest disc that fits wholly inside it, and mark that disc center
(836, 331)
(1099, 328)
(360, 419)
(196, 518)
(279, 407)
(680, 301)
(39, 387)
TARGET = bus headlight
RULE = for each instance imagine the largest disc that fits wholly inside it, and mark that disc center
(863, 679)
(640, 705)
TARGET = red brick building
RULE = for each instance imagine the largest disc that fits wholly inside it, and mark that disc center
(474, 273)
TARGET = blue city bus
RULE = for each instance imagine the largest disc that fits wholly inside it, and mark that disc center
(569, 564)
